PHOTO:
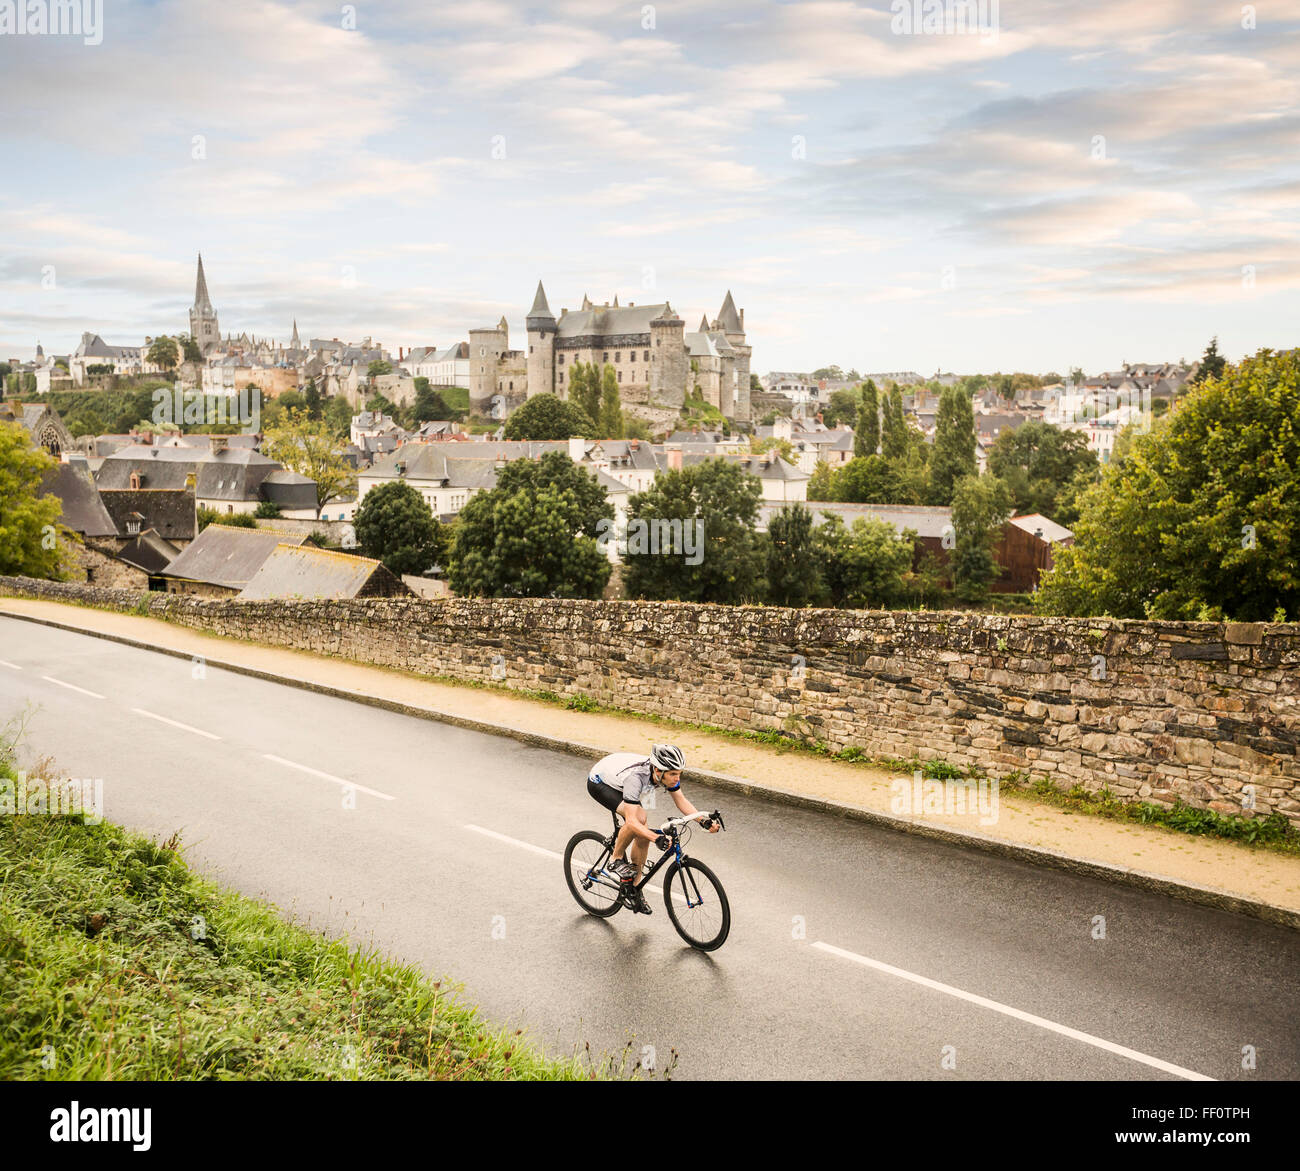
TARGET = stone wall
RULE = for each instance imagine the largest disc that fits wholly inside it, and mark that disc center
(1208, 712)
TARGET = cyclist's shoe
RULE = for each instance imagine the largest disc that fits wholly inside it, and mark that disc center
(623, 868)
(637, 901)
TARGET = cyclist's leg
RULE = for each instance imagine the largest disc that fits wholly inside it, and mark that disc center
(631, 813)
(640, 847)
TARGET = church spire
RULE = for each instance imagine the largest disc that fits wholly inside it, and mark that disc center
(201, 300)
(293, 342)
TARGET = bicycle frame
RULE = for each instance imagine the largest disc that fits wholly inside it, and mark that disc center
(674, 853)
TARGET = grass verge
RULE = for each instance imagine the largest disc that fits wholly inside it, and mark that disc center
(117, 962)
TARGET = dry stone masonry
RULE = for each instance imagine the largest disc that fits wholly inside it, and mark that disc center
(1202, 711)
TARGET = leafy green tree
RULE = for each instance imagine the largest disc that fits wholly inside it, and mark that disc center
(190, 351)
(164, 352)
(378, 368)
(535, 534)
(793, 566)
(869, 479)
(635, 427)
(1212, 364)
(379, 404)
(1200, 518)
(980, 507)
(429, 404)
(842, 408)
(1037, 461)
(308, 446)
(728, 562)
(894, 430)
(394, 524)
(311, 399)
(866, 437)
(830, 373)
(954, 445)
(29, 522)
(338, 416)
(545, 417)
(822, 484)
(610, 419)
(865, 566)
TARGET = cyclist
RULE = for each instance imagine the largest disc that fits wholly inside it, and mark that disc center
(619, 782)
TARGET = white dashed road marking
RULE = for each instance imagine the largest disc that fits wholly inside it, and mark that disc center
(72, 687)
(139, 711)
(315, 772)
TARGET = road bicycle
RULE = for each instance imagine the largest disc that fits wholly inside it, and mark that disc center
(696, 902)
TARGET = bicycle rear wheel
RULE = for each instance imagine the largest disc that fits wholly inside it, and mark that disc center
(697, 904)
(597, 892)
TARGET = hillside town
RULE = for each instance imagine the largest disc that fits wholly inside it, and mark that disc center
(132, 502)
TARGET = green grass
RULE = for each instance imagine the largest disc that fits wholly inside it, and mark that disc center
(117, 962)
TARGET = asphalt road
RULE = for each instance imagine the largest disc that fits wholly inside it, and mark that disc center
(854, 951)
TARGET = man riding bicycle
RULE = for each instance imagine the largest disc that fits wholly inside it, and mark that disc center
(620, 782)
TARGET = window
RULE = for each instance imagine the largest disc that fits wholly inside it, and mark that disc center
(482, 350)
(561, 359)
(606, 357)
(647, 355)
(530, 349)
(512, 384)
(618, 355)
(659, 342)
(620, 375)
(561, 377)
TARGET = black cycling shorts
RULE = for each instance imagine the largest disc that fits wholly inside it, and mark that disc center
(610, 797)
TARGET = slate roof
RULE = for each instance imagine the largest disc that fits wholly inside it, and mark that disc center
(83, 510)
(235, 474)
(289, 489)
(168, 511)
(148, 552)
(728, 318)
(303, 571)
(599, 320)
(227, 556)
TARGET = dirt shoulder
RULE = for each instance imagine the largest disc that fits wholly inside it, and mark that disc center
(1225, 866)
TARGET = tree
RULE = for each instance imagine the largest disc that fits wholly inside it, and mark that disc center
(865, 566)
(308, 446)
(429, 404)
(954, 445)
(980, 507)
(545, 417)
(378, 368)
(830, 373)
(395, 525)
(164, 352)
(793, 569)
(712, 555)
(1201, 518)
(755, 386)
(893, 434)
(867, 433)
(311, 399)
(610, 420)
(584, 388)
(190, 351)
(338, 416)
(1212, 364)
(842, 408)
(29, 522)
(534, 534)
(869, 479)
(1037, 461)
(379, 404)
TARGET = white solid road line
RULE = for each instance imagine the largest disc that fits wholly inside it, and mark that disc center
(1041, 1022)
(72, 686)
(11, 666)
(491, 833)
(139, 711)
(315, 772)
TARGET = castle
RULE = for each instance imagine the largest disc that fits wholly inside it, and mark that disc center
(657, 362)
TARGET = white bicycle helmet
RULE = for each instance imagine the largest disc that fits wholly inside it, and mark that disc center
(668, 758)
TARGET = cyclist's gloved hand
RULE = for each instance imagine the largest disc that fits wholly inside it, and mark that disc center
(662, 841)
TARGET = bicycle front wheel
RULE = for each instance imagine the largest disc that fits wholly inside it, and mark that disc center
(697, 904)
(598, 893)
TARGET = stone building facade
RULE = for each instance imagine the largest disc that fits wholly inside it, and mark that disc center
(657, 363)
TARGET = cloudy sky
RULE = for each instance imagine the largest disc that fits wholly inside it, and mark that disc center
(1096, 183)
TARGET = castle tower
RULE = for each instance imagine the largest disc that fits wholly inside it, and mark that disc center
(541, 345)
(732, 323)
(203, 317)
(485, 349)
(669, 369)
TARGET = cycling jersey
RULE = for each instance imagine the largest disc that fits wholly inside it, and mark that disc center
(627, 772)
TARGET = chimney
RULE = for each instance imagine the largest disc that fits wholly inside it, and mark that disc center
(634, 444)
(577, 448)
(219, 443)
(674, 455)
